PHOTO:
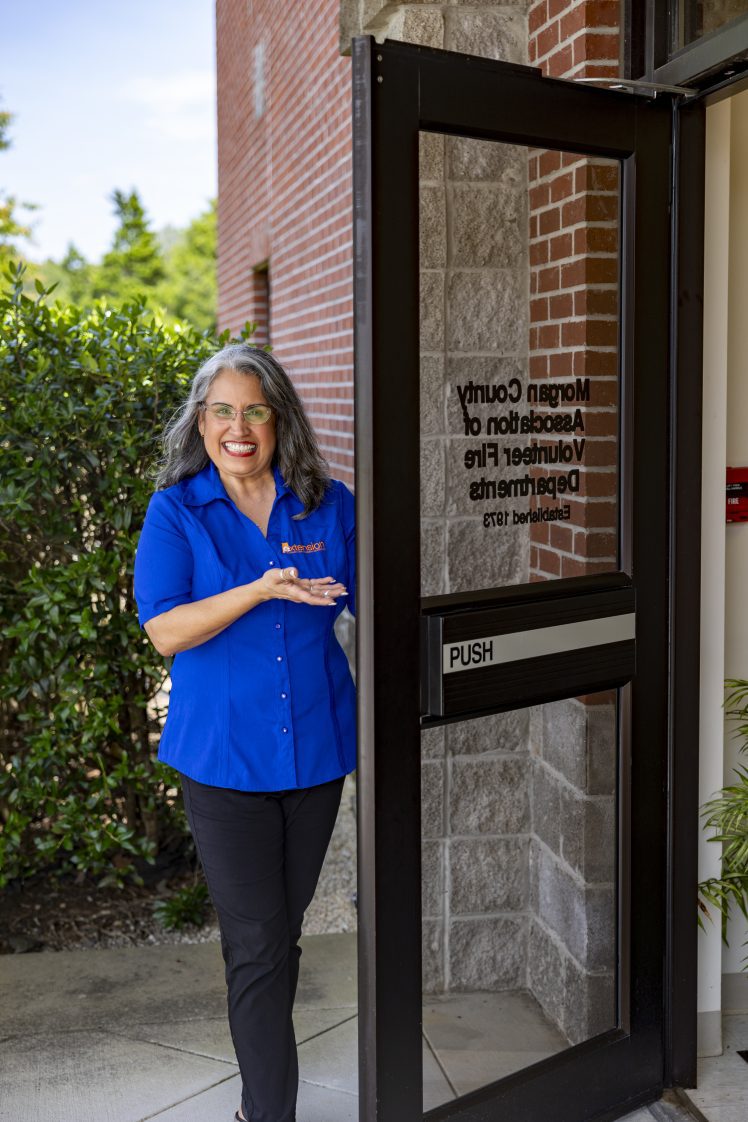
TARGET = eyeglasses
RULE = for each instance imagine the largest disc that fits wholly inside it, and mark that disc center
(253, 414)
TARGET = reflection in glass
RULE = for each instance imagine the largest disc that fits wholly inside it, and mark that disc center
(519, 286)
(519, 894)
(692, 19)
(519, 364)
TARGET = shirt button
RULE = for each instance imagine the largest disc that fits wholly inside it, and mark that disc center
(279, 658)
(284, 729)
(271, 562)
(277, 627)
(284, 696)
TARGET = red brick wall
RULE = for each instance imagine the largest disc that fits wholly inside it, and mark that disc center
(574, 286)
(259, 301)
(284, 183)
(285, 197)
(575, 38)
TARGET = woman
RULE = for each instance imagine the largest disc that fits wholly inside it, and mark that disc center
(244, 562)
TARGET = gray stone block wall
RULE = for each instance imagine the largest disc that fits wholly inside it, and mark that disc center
(572, 864)
(475, 854)
(519, 859)
(474, 287)
(488, 953)
(581, 1004)
(488, 874)
(474, 293)
(478, 27)
(518, 809)
(345, 633)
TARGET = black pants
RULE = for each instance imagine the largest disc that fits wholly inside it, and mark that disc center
(262, 853)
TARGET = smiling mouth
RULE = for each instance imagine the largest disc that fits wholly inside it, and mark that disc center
(239, 447)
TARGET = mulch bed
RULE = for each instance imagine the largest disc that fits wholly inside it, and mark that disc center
(50, 913)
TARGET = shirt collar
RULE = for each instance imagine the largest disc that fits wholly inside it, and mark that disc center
(206, 486)
(281, 487)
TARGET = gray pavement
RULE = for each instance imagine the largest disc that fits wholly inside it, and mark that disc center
(133, 1034)
(722, 1093)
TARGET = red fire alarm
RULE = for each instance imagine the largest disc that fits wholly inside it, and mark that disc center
(737, 494)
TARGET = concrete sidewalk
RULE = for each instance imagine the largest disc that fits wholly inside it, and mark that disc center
(140, 1033)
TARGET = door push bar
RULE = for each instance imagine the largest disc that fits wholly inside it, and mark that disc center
(501, 656)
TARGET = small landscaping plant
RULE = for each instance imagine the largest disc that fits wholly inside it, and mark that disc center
(188, 905)
(727, 816)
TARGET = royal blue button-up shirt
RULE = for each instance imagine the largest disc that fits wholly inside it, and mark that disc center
(269, 703)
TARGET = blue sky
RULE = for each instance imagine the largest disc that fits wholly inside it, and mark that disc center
(107, 94)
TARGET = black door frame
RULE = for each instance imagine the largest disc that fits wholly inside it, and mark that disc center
(686, 380)
(400, 89)
(716, 58)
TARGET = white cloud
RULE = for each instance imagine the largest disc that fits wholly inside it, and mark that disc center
(177, 106)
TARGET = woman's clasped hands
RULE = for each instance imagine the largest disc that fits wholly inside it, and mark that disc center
(286, 584)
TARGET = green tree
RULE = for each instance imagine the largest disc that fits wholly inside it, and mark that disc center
(73, 277)
(183, 260)
(5, 119)
(173, 272)
(11, 227)
(188, 290)
(133, 267)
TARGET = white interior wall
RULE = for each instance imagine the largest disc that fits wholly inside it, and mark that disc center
(711, 732)
(723, 985)
(736, 553)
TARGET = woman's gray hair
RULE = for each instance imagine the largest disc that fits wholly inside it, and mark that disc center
(297, 453)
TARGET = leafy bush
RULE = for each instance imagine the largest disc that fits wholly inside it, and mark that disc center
(84, 396)
(186, 905)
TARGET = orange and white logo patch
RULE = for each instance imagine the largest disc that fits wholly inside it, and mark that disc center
(302, 547)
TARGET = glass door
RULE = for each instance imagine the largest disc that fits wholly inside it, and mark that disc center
(512, 297)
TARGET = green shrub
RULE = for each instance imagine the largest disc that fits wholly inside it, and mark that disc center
(85, 393)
